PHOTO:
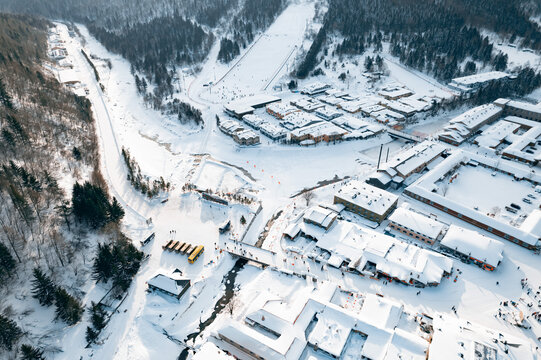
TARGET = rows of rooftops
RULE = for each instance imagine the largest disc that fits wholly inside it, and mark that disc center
(328, 322)
(321, 103)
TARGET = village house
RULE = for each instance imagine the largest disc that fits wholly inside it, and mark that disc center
(466, 125)
(279, 109)
(307, 104)
(471, 83)
(521, 109)
(317, 132)
(320, 216)
(315, 88)
(174, 285)
(328, 113)
(366, 200)
(470, 246)
(401, 167)
(247, 105)
(415, 225)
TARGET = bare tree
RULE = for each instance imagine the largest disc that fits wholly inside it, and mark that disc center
(308, 195)
(233, 304)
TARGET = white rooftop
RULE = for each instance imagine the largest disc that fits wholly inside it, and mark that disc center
(367, 196)
(480, 78)
(417, 222)
(472, 243)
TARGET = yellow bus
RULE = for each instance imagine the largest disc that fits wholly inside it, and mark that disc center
(195, 254)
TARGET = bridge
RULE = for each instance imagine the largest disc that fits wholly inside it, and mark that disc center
(400, 134)
(250, 252)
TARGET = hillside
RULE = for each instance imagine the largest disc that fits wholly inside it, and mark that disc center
(48, 232)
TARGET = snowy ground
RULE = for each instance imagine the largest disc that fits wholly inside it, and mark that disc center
(265, 61)
(151, 325)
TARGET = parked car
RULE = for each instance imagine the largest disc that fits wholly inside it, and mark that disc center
(510, 209)
(531, 196)
(515, 206)
(527, 201)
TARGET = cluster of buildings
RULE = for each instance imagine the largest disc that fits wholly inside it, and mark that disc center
(363, 251)
(469, 124)
(317, 116)
(467, 245)
(514, 138)
(240, 134)
(328, 322)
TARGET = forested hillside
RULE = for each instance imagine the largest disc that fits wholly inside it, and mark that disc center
(441, 38)
(255, 15)
(54, 198)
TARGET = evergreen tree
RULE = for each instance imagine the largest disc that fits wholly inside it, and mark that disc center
(91, 335)
(9, 333)
(116, 212)
(368, 64)
(7, 263)
(5, 98)
(68, 308)
(29, 352)
(43, 288)
(102, 269)
(97, 316)
(90, 204)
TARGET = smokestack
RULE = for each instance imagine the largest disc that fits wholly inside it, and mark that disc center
(379, 156)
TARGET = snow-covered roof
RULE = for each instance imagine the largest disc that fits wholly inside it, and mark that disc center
(480, 78)
(400, 107)
(331, 331)
(392, 256)
(380, 312)
(386, 115)
(282, 348)
(306, 103)
(395, 92)
(281, 108)
(272, 130)
(477, 116)
(532, 224)
(525, 146)
(320, 216)
(417, 222)
(315, 88)
(268, 320)
(247, 104)
(457, 336)
(169, 284)
(521, 105)
(495, 134)
(322, 128)
(210, 351)
(367, 196)
(407, 161)
(68, 76)
(473, 244)
(328, 112)
(253, 120)
(298, 119)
